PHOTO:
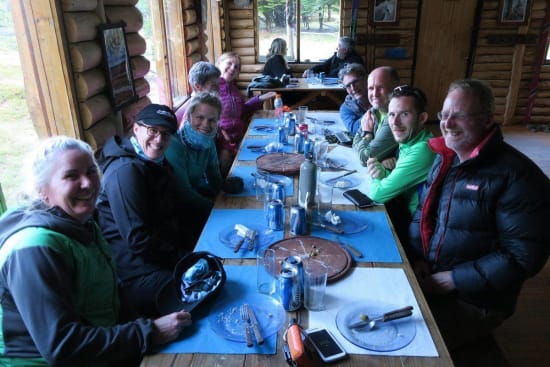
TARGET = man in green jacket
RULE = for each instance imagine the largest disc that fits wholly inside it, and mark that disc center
(399, 188)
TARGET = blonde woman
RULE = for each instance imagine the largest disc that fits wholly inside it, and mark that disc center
(276, 64)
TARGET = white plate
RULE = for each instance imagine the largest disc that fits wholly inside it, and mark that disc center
(385, 337)
(226, 320)
(343, 183)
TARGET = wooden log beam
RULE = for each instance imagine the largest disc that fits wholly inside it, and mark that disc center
(100, 132)
(94, 109)
(85, 55)
(129, 14)
(136, 44)
(89, 83)
(81, 26)
(79, 5)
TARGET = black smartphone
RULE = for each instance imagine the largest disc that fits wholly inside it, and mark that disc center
(358, 198)
(324, 343)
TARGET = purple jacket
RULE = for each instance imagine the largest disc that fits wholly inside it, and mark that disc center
(235, 114)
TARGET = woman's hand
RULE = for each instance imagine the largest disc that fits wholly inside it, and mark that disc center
(268, 95)
(168, 327)
(304, 74)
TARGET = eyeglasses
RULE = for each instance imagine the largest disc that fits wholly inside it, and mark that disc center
(444, 116)
(352, 83)
(153, 132)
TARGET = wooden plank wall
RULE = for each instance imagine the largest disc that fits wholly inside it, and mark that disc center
(506, 63)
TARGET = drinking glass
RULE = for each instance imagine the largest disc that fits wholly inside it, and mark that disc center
(324, 199)
(265, 271)
(315, 284)
(302, 113)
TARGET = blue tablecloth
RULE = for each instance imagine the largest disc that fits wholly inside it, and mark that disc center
(223, 220)
(244, 172)
(376, 242)
(200, 338)
(263, 126)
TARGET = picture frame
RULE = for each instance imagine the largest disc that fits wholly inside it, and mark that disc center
(117, 65)
(513, 12)
(383, 12)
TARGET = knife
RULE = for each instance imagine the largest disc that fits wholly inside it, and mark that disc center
(255, 327)
(328, 227)
(355, 252)
(334, 179)
(388, 316)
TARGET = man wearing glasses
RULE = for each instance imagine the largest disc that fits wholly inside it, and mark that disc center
(374, 138)
(482, 228)
(356, 104)
(399, 188)
(138, 208)
(345, 54)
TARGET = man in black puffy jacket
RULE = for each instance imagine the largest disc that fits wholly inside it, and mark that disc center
(481, 227)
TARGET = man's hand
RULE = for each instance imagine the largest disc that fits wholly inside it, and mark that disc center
(168, 327)
(438, 283)
(367, 122)
(389, 163)
(375, 168)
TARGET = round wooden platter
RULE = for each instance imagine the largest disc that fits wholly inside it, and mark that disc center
(330, 253)
(281, 163)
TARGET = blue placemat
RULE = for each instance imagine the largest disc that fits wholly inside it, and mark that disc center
(200, 338)
(246, 154)
(223, 220)
(376, 242)
(263, 126)
(244, 172)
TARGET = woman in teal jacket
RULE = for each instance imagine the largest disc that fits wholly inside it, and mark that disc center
(192, 154)
(59, 297)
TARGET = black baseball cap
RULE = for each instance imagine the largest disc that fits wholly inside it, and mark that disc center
(158, 115)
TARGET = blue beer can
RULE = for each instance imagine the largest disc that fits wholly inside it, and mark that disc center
(299, 141)
(278, 192)
(283, 138)
(308, 147)
(275, 215)
(322, 77)
(291, 125)
(295, 262)
(298, 220)
(289, 289)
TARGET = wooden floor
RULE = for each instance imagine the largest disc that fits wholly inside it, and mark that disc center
(525, 337)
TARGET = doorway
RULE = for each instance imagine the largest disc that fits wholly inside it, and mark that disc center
(442, 55)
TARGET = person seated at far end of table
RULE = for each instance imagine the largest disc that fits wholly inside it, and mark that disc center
(345, 54)
(203, 77)
(276, 64)
(374, 138)
(139, 210)
(482, 227)
(60, 301)
(236, 113)
(356, 104)
(400, 188)
(192, 154)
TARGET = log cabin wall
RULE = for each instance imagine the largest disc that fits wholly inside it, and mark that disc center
(502, 55)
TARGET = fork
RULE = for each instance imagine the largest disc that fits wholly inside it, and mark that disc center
(246, 319)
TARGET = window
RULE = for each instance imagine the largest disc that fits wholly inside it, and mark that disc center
(163, 32)
(310, 38)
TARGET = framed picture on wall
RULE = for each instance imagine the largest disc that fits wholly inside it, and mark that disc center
(117, 64)
(383, 12)
(514, 12)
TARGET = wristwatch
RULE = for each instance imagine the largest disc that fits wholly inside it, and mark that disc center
(365, 134)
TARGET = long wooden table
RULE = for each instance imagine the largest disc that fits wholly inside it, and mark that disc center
(197, 359)
(334, 92)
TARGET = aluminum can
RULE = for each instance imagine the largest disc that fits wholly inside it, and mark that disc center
(299, 141)
(295, 262)
(275, 215)
(290, 289)
(283, 138)
(308, 147)
(291, 125)
(298, 220)
(278, 192)
(322, 77)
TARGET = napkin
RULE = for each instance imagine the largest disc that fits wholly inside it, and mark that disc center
(377, 286)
